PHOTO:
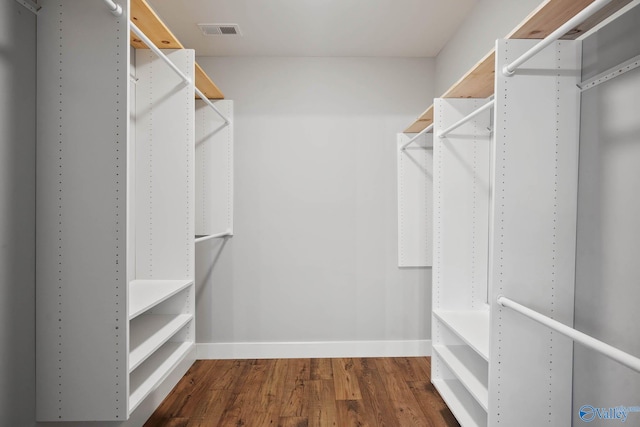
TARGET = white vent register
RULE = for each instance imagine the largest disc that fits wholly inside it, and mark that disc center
(220, 29)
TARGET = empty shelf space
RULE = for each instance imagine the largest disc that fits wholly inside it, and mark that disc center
(154, 370)
(463, 406)
(472, 326)
(145, 294)
(149, 332)
(469, 368)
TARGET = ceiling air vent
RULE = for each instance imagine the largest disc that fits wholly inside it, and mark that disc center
(220, 29)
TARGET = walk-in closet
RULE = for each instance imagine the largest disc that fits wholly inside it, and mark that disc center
(299, 213)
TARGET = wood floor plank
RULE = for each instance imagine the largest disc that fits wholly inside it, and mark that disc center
(322, 404)
(194, 400)
(432, 404)
(181, 395)
(351, 413)
(345, 380)
(272, 394)
(241, 407)
(321, 369)
(374, 395)
(296, 393)
(293, 422)
(413, 368)
(210, 408)
(225, 373)
(407, 409)
(375, 392)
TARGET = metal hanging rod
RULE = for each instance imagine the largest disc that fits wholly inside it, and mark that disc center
(611, 352)
(465, 119)
(114, 7)
(423, 131)
(159, 52)
(579, 18)
(227, 233)
(210, 104)
(173, 66)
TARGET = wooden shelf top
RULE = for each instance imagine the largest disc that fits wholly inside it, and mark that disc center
(150, 23)
(478, 82)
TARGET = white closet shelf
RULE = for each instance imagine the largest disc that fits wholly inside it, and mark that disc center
(472, 326)
(472, 372)
(150, 331)
(145, 294)
(460, 403)
(154, 370)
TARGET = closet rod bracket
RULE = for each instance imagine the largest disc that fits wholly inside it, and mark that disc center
(114, 7)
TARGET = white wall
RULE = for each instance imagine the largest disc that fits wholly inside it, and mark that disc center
(487, 21)
(314, 256)
(607, 268)
(17, 214)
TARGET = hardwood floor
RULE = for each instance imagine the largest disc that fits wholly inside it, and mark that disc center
(390, 392)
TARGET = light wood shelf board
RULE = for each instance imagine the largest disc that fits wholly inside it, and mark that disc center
(206, 85)
(421, 122)
(551, 14)
(150, 23)
(478, 82)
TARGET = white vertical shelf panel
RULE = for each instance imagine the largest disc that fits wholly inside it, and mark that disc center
(165, 180)
(82, 127)
(415, 201)
(214, 169)
(534, 232)
(461, 206)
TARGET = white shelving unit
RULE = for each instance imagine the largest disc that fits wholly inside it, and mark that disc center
(149, 332)
(505, 212)
(145, 294)
(463, 406)
(460, 360)
(472, 327)
(461, 231)
(116, 217)
(155, 369)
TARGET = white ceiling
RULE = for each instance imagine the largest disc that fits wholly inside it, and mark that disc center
(406, 28)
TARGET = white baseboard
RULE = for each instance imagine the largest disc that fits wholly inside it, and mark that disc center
(287, 350)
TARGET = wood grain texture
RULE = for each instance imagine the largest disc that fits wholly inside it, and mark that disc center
(345, 380)
(377, 392)
(206, 85)
(150, 23)
(550, 15)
